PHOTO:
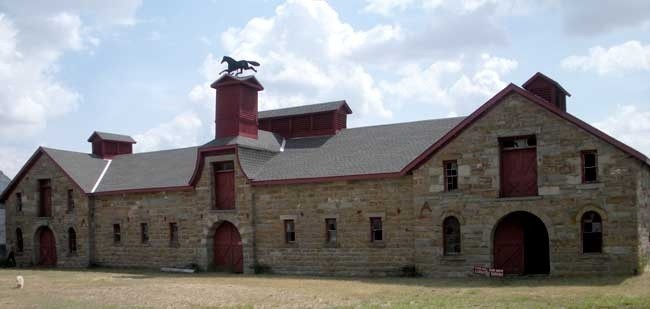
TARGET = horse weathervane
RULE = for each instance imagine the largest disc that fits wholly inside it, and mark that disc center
(241, 65)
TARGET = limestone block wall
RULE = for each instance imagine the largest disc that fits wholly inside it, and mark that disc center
(351, 203)
(191, 209)
(643, 193)
(561, 202)
(60, 221)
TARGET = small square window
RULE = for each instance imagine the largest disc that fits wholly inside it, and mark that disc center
(330, 226)
(144, 233)
(224, 166)
(451, 175)
(376, 229)
(289, 231)
(173, 233)
(117, 234)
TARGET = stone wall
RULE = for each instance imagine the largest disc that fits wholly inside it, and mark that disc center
(561, 202)
(643, 193)
(351, 203)
(60, 221)
(193, 212)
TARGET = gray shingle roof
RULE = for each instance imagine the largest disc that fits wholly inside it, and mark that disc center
(4, 181)
(304, 109)
(367, 150)
(112, 137)
(158, 169)
(356, 151)
(265, 141)
(83, 168)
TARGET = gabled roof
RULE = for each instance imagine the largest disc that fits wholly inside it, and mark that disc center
(306, 109)
(495, 100)
(539, 75)
(111, 137)
(372, 150)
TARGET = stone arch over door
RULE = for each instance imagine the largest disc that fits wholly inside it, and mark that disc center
(45, 247)
(225, 248)
(521, 244)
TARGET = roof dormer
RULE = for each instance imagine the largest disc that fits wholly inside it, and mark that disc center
(547, 89)
(107, 145)
(307, 120)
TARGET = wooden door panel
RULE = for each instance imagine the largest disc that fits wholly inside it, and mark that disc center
(509, 247)
(519, 172)
(225, 190)
(47, 249)
(228, 251)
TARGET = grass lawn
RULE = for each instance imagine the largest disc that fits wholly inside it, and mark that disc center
(110, 288)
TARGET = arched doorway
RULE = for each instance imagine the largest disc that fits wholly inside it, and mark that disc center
(521, 244)
(228, 253)
(46, 247)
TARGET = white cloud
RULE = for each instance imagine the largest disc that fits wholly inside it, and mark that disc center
(627, 57)
(591, 17)
(505, 7)
(182, 131)
(445, 83)
(386, 7)
(630, 124)
(307, 56)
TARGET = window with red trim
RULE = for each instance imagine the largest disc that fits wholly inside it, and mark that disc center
(289, 231)
(45, 201)
(589, 166)
(224, 185)
(376, 229)
(451, 175)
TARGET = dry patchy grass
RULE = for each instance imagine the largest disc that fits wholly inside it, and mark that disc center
(110, 288)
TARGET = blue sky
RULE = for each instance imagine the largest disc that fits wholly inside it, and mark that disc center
(143, 68)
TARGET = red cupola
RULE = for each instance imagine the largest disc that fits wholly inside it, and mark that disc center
(107, 145)
(547, 89)
(236, 106)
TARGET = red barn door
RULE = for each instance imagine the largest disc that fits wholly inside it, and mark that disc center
(47, 248)
(509, 246)
(228, 254)
(519, 172)
(225, 189)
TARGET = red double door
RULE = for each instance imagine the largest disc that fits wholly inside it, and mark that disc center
(509, 246)
(47, 248)
(228, 253)
(519, 172)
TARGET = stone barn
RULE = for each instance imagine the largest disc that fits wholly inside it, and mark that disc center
(520, 185)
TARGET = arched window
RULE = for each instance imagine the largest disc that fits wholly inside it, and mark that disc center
(592, 232)
(72, 241)
(19, 240)
(451, 230)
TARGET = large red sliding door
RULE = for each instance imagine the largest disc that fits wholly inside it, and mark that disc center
(519, 172)
(509, 246)
(47, 248)
(225, 189)
(228, 254)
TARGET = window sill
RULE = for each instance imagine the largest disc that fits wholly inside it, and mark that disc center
(519, 198)
(218, 210)
(593, 255)
(455, 192)
(377, 244)
(590, 186)
(330, 245)
(453, 258)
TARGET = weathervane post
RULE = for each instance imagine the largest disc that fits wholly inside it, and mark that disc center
(241, 65)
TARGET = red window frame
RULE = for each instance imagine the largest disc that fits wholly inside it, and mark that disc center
(117, 233)
(331, 234)
(453, 185)
(173, 233)
(584, 168)
(144, 232)
(45, 198)
(376, 229)
(289, 231)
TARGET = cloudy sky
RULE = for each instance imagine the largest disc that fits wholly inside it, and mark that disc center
(142, 68)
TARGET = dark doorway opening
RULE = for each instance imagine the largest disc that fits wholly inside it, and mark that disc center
(521, 244)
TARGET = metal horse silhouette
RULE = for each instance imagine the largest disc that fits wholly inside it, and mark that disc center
(241, 65)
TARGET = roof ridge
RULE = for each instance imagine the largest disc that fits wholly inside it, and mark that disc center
(304, 105)
(406, 122)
